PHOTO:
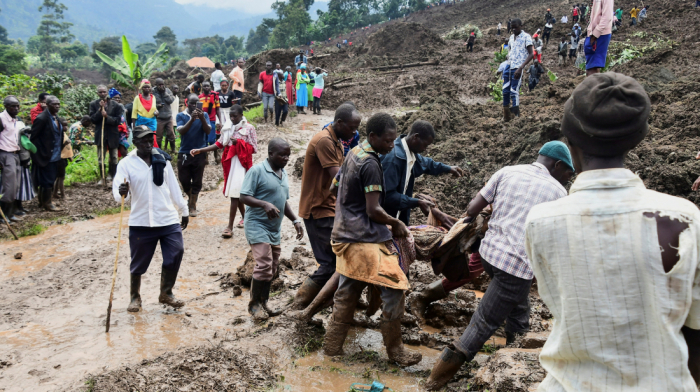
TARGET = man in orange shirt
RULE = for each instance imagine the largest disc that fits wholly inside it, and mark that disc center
(237, 81)
(324, 156)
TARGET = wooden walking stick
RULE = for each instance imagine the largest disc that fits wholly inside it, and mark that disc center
(102, 154)
(116, 260)
(8, 224)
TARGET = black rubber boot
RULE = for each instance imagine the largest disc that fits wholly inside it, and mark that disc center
(420, 301)
(445, 368)
(391, 332)
(306, 293)
(515, 110)
(265, 296)
(513, 336)
(7, 211)
(255, 306)
(135, 304)
(192, 204)
(19, 210)
(284, 117)
(167, 282)
(47, 194)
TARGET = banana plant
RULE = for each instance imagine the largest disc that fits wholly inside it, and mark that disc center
(128, 70)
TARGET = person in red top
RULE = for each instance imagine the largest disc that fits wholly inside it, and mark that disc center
(575, 13)
(266, 90)
(211, 106)
(40, 106)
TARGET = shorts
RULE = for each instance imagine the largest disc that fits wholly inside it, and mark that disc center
(596, 59)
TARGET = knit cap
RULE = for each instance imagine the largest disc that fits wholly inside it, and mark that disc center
(559, 151)
(606, 114)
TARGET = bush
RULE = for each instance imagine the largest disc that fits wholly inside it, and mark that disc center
(463, 32)
(23, 87)
(83, 167)
(76, 102)
(54, 83)
(11, 60)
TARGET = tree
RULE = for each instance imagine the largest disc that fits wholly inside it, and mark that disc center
(292, 23)
(111, 46)
(3, 37)
(166, 36)
(51, 30)
(11, 60)
(148, 48)
(235, 43)
(128, 70)
(258, 38)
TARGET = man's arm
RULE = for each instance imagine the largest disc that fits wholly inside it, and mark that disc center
(692, 339)
(116, 118)
(95, 112)
(184, 128)
(431, 167)
(206, 125)
(220, 115)
(270, 209)
(377, 214)
(118, 181)
(168, 97)
(289, 213)
(519, 71)
(475, 206)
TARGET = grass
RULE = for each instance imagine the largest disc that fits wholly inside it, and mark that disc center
(254, 114)
(489, 348)
(313, 344)
(33, 230)
(111, 210)
(90, 384)
(83, 168)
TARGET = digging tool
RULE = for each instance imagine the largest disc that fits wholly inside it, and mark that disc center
(116, 260)
(8, 224)
(102, 162)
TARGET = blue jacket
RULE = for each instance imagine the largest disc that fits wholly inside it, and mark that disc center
(394, 166)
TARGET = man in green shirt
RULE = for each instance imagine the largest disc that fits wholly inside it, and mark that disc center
(265, 192)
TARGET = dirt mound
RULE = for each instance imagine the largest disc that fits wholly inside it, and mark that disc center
(403, 37)
(196, 369)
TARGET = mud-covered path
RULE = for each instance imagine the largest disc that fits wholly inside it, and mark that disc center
(54, 299)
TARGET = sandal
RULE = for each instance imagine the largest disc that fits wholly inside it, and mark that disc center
(240, 224)
(227, 233)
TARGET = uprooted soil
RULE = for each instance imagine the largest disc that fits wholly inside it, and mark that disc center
(403, 37)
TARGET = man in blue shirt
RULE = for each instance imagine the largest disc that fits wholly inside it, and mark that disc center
(299, 59)
(265, 192)
(194, 127)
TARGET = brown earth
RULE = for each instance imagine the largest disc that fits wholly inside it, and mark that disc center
(454, 97)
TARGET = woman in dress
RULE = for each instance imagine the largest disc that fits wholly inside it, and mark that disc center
(302, 91)
(239, 140)
(144, 110)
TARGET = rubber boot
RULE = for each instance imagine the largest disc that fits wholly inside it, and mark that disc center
(391, 332)
(335, 337)
(306, 293)
(272, 114)
(46, 199)
(265, 296)
(284, 117)
(445, 368)
(167, 282)
(512, 337)
(419, 303)
(112, 171)
(19, 210)
(265, 115)
(255, 306)
(506, 114)
(135, 304)
(192, 203)
(515, 111)
(160, 143)
(7, 210)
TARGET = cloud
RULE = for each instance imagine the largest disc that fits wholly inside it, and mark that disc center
(256, 7)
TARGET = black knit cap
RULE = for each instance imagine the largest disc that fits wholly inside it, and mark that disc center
(606, 114)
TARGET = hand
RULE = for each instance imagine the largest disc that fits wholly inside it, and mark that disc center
(104, 114)
(593, 41)
(698, 156)
(234, 141)
(518, 73)
(155, 113)
(124, 189)
(102, 103)
(456, 172)
(425, 206)
(696, 184)
(467, 220)
(218, 126)
(185, 222)
(271, 211)
(239, 84)
(194, 151)
(399, 230)
(197, 114)
(300, 230)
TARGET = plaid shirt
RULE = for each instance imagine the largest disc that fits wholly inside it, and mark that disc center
(513, 191)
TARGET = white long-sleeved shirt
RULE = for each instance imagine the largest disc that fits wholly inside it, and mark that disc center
(617, 314)
(151, 205)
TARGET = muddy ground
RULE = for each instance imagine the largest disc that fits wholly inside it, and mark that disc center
(52, 314)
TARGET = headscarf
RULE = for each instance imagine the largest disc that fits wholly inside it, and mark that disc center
(143, 83)
(303, 66)
(113, 92)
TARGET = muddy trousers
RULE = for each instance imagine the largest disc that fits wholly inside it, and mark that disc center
(279, 110)
(190, 171)
(113, 159)
(319, 231)
(349, 292)
(143, 242)
(267, 261)
(506, 299)
(165, 129)
(11, 175)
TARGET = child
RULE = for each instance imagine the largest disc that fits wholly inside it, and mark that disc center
(563, 47)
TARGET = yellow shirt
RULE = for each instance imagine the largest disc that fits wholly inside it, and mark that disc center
(633, 12)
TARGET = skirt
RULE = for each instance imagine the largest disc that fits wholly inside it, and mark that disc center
(310, 94)
(25, 192)
(317, 92)
(234, 182)
(302, 95)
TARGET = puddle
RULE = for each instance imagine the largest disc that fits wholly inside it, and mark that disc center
(319, 373)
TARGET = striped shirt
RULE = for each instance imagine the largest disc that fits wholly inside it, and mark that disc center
(617, 314)
(513, 191)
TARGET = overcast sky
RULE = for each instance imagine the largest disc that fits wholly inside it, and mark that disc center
(254, 7)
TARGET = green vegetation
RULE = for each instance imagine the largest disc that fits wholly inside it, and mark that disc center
(112, 210)
(552, 76)
(489, 348)
(254, 114)
(129, 71)
(463, 32)
(313, 344)
(23, 87)
(83, 168)
(33, 230)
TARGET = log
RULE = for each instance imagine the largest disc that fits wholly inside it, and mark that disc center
(405, 87)
(338, 81)
(436, 62)
(347, 85)
(250, 105)
(389, 73)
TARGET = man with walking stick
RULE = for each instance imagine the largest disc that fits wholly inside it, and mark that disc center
(156, 199)
(106, 115)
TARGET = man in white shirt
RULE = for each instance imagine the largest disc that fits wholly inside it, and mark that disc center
(217, 77)
(9, 156)
(617, 264)
(520, 53)
(147, 175)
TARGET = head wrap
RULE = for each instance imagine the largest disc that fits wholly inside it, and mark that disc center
(143, 83)
(559, 151)
(113, 92)
(606, 114)
(303, 66)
